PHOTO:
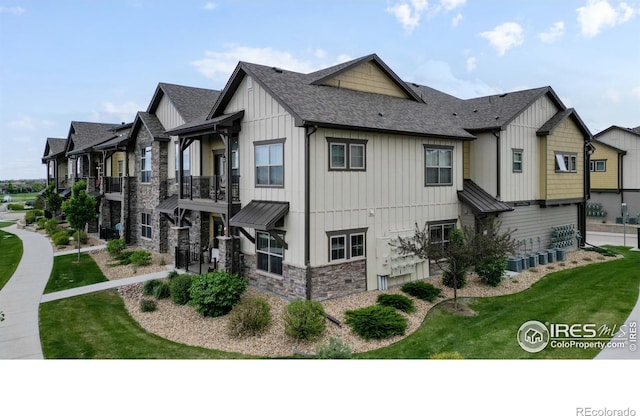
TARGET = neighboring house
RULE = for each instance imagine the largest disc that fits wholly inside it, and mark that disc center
(57, 164)
(153, 189)
(615, 173)
(305, 179)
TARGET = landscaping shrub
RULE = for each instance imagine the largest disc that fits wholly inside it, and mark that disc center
(447, 280)
(491, 270)
(215, 293)
(60, 238)
(149, 286)
(140, 258)
(172, 274)
(399, 302)
(115, 247)
(376, 322)
(251, 316)
(51, 226)
(161, 290)
(41, 223)
(421, 290)
(148, 305)
(31, 216)
(335, 349)
(83, 237)
(179, 288)
(454, 355)
(304, 319)
(15, 207)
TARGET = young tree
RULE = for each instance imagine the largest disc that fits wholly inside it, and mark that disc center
(79, 209)
(54, 200)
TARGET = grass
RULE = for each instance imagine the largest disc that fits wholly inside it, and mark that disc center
(67, 273)
(600, 293)
(97, 325)
(17, 198)
(11, 249)
(6, 223)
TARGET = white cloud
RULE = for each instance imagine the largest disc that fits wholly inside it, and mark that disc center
(455, 21)
(612, 95)
(27, 123)
(438, 75)
(452, 4)
(13, 10)
(554, 33)
(210, 6)
(218, 65)
(116, 113)
(599, 14)
(636, 92)
(408, 13)
(505, 36)
(471, 63)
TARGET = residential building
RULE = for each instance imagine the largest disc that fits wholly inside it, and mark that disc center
(615, 174)
(305, 180)
(57, 164)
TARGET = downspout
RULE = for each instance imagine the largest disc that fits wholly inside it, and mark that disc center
(496, 134)
(307, 205)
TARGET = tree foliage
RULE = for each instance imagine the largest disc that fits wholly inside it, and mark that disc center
(54, 200)
(80, 208)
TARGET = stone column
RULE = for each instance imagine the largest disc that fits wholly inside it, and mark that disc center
(225, 253)
(182, 241)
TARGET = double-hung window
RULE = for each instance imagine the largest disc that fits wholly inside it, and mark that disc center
(347, 154)
(440, 233)
(145, 225)
(270, 253)
(145, 165)
(348, 244)
(517, 160)
(438, 165)
(270, 163)
(566, 162)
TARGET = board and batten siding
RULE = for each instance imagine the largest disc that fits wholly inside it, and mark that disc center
(631, 161)
(566, 137)
(533, 222)
(366, 77)
(483, 162)
(609, 178)
(521, 134)
(387, 199)
(265, 119)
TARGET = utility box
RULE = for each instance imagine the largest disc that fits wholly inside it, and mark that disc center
(562, 255)
(542, 257)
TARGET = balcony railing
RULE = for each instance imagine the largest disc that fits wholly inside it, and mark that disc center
(211, 187)
(112, 184)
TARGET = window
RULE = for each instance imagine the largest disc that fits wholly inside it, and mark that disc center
(145, 227)
(598, 165)
(566, 162)
(438, 166)
(440, 233)
(269, 253)
(344, 245)
(517, 160)
(145, 165)
(120, 168)
(347, 154)
(185, 162)
(270, 164)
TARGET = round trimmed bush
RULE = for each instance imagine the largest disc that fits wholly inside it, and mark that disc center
(490, 270)
(376, 322)
(216, 293)
(335, 349)
(148, 305)
(60, 238)
(179, 286)
(304, 319)
(251, 316)
(51, 226)
(115, 247)
(421, 290)
(397, 301)
(140, 258)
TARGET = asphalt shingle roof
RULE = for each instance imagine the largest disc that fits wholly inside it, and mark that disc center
(54, 147)
(193, 104)
(84, 135)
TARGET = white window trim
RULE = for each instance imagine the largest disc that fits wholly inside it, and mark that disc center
(268, 145)
(269, 254)
(364, 155)
(345, 248)
(439, 183)
(364, 245)
(147, 164)
(348, 247)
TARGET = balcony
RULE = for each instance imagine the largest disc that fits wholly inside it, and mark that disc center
(112, 184)
(213, 188)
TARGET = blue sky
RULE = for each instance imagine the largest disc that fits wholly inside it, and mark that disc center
(101, 60)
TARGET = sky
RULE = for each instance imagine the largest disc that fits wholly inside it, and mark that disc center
(100, 61)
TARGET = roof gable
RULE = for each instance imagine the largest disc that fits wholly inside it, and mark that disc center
(548, 127)
(84, 135)
(193, 104)
(151, 123)
(635, 131)
(54, 147)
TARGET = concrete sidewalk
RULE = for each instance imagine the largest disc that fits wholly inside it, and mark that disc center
(613, 239)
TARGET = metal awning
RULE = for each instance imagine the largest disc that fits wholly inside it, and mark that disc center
(169, 205)
(480, 200)
(260, 215)
(65, 192)
(202, 126)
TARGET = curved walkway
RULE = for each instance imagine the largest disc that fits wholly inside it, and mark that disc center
(20, 297)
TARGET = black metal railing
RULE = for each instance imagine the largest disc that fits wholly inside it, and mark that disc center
(211, 187)
(113, 184)
(107, 233)
(193, 260)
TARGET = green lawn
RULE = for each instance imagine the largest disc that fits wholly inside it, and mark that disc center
(97, 325)
(17, 198)
(11, 249)
(6, 223)
(601, 293)
(67, 273)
